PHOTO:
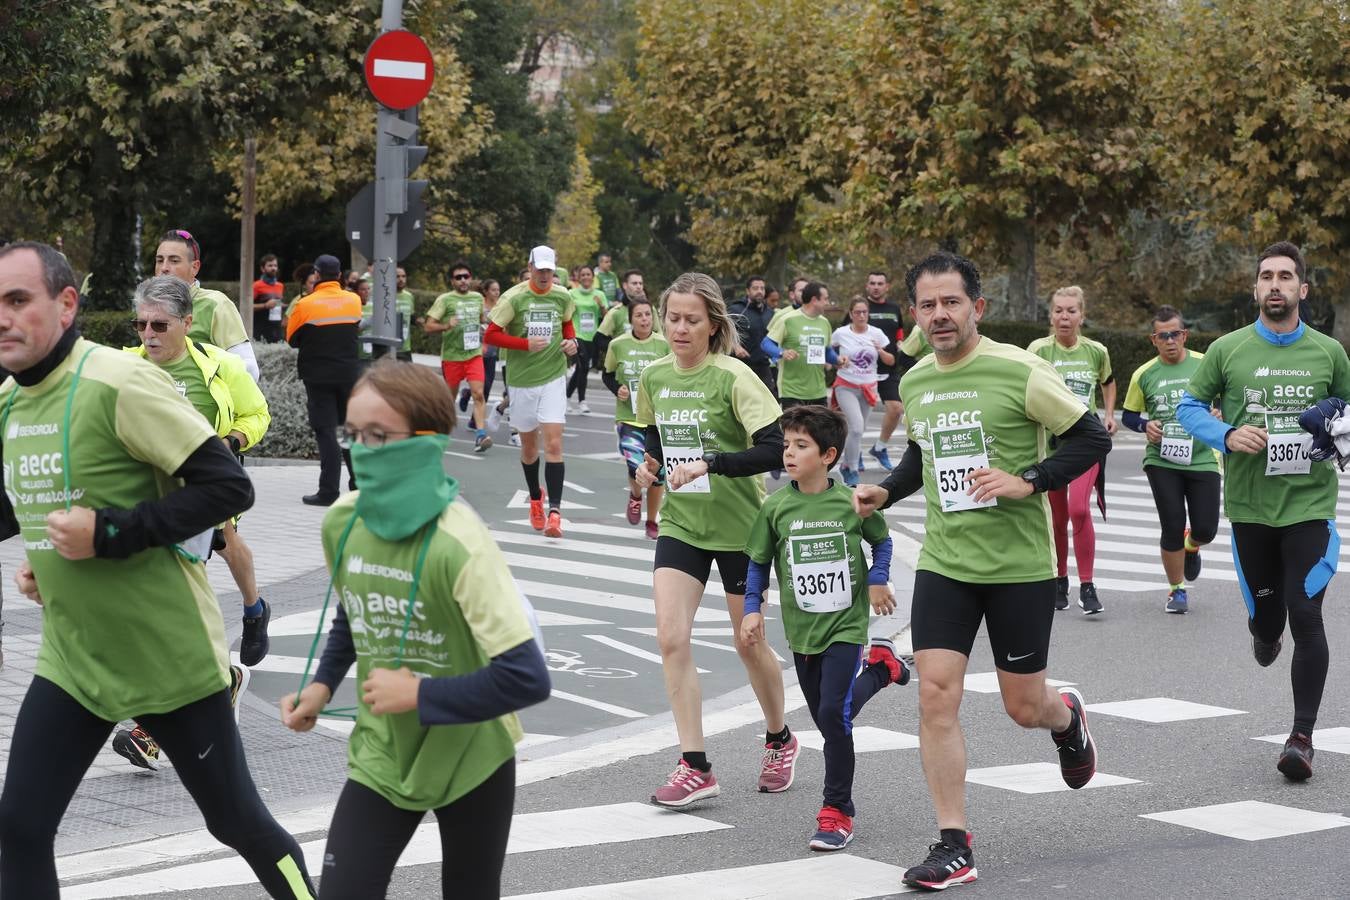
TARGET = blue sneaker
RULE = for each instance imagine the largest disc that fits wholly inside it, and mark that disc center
(882, 456)
(861, 467)
(834, 830)
(1176, 601)
(848, 476)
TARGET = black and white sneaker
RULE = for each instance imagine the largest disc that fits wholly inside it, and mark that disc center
(1077, 752)
(1062, 593)
(1296, 759)
(1087, 599)
(254, 643)
(946, 865)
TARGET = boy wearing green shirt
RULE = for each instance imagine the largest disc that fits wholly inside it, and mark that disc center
(813, 537)
(800, 341)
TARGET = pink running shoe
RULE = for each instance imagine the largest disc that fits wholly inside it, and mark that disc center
(634, 509)
(779, 766)
(653, 530)
(686, 785)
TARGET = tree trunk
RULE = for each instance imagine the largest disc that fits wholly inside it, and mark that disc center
(1023, 302)
(246, 223)
(782, 230)
(113, 254)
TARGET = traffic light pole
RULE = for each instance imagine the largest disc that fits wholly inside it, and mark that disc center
(390, 200)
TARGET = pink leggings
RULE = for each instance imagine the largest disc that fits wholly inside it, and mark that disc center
(1074, 504)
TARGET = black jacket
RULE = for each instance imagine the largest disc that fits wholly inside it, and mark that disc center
(752, 324)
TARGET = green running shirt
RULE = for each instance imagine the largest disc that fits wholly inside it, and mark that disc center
(815, 543)
(803, 377)
(124, 637)
(1155, 390)
(588, 311)
(187, 378)
(915, 344)
(626, 358)
(467, 611)
(998, 400)
(215, 319)
(465, 340)
(717, 406)
(521, 312)
(1252, 379)
(1084, 367)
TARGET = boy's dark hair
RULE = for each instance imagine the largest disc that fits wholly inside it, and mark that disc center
(827, 427)
(1284, 248)
(1168, 313)
(941, 263)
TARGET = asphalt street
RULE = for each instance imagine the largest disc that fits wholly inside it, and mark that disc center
(1187, 802)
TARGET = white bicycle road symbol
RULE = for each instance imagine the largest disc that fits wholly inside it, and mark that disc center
(571, 661)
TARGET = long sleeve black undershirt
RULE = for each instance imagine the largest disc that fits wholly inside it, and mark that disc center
(509, 682)
(214, 489)
(1082, 445)
(764, 455)
(611, 381)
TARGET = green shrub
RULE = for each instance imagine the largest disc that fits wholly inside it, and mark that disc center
(289, 436)
(110, 328)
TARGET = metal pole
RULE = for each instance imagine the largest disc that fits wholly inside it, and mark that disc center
(387, 178)
(246, 223)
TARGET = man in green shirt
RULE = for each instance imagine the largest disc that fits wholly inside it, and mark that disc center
(800, 341)
(979, 415)
(457, 316)
(1282, 504)
(404, 302)
(109, 470)
(1181, 472)
(215, 318)
(589, 306)
(605, 279)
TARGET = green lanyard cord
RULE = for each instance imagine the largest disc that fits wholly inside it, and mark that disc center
(65, 427)
(349, 712)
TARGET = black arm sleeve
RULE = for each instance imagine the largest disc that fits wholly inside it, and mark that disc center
(1084, 444)
(765, 455)
(510, 681)
(215, 488)
(654, 444)
(338, 654)
(610, 381)
(905, 478)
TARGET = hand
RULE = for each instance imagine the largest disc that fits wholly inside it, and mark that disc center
(1111, 424)
(272, 303)
(752, 630)
(623, 392)
(72, 533)
(1216, 413)
(882, 597)
(789, 355)
(452, 323)
(741, 352)
(841, 362)
(868, 498)
(1246, 439)
(645, 476)
(1153, 431)
(569, 347)
(539, 343)
(27, 583)
(389, 691)
(304, 714)
(684, 473)
(986, 483)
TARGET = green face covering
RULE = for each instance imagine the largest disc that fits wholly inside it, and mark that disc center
(403, 484)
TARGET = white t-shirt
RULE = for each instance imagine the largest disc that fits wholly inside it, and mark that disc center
(861, 348)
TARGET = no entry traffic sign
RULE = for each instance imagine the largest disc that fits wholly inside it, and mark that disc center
(399, 69)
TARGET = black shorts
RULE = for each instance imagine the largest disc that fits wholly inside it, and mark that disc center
(946, 615)
(890, 388)
(673, 553)
(1177, 491)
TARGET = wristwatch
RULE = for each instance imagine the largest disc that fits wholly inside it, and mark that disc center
(1034, 478)
(233, 442)
(710, 459)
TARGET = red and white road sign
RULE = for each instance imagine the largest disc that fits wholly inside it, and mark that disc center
(399, 69)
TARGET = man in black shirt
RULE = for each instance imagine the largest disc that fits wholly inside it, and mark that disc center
(885, 314)
(752, 316)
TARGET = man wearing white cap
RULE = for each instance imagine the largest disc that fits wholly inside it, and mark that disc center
(532, 323)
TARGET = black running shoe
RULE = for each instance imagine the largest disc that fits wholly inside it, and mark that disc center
(137, 747)
(1087, 599)
(1296, 760)
(1266, 653)
(1191, 566)
(1077, 752)
(946, 865)
(253, 645)
(1062, 593)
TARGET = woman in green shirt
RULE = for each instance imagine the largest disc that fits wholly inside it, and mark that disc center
(444, 650)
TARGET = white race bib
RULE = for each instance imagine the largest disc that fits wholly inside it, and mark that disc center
(1176, 444)
(632, 395)
(956, 453)
(588, 322)
(821, 580)
(815, 350)
(274, 314)
(1287, 445)
(682, 443)
(539, 323)
(473, 337)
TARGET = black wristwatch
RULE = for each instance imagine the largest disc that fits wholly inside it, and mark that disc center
(233, 442)
(1035, 478)
(710, 459)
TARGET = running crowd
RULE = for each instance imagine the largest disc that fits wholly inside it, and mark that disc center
(123, 476)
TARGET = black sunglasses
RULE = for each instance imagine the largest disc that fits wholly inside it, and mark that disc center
(459, 276)
(156, 327)
(1169, 335)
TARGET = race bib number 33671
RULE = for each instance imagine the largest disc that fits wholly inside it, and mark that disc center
(821, 580)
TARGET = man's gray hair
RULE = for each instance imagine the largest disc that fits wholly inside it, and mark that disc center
(167, 291)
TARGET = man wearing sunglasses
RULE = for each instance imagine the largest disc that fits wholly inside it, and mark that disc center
(215, 318)
(1182, 473)
(457, 316)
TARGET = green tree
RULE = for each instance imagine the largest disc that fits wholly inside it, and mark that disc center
(992, 127)
(574, 231)
(1253, 103)
(735, 119)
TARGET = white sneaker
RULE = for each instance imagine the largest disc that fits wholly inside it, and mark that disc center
(585, 407)
(515, 439)
(494, 419)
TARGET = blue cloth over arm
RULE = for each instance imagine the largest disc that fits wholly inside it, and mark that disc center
(756, 580)
(831, 357)
(880, 573)
(1133, 420)
(771, 350)
(1195, 417)
(512, 680)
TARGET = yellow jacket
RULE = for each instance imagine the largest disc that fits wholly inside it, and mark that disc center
(240, 405)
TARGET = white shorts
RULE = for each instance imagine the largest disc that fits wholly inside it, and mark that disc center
(544, 404)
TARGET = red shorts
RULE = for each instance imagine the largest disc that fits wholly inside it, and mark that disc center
(456, 371)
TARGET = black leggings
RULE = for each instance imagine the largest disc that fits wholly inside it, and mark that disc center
(56, 739)
(1174, 492)
(834, 696)
(1283, 573)
(582, 370)
(368, 833)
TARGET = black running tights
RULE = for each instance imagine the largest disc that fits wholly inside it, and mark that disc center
(56, 740)
(368, 834)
